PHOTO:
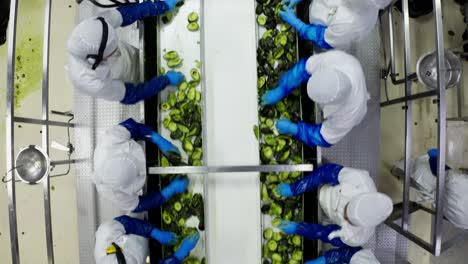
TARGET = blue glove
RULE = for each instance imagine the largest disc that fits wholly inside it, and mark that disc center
(171, 3)
(321, 260)
(287, 127)
(187, 245)
(315, 231)
(149, 201)
(179, 185)
(164, 237)
(311, 135)
(132, 13)
(284, 190)
(135, 93)
(142, 228)
(433, 162)
(291, 3)
(143, 132)
(175, 78)
(288, 227)
(287, 83)
(325, 174)
(166, 147)
(341, 255)
(315, 33)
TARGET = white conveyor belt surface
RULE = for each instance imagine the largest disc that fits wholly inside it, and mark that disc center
(234, 227)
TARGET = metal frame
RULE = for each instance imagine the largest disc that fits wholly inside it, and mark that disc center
(404, 210)
(230, 169)
(44, 122)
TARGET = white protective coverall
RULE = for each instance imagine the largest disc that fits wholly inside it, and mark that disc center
(364, 256)
(347, 20)
(344, 104)
(456, 186)
(134, 248)
(120, 168)
(355, 205)
(107, 80)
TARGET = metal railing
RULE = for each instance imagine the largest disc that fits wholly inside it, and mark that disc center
(400, 220)
(11, 119)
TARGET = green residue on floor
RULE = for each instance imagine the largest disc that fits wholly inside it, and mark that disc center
(28, 68)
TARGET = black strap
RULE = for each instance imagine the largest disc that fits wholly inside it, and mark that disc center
(105, 35)
(119, 254)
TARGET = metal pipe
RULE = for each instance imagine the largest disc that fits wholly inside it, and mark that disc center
(392, 39)
(408, 118)
(10, 143)
(409, 98)
(231, 169)
(437, 227)
(66, 162)
(418, 241)
(206, 179)
(45, 129)
(42, 122)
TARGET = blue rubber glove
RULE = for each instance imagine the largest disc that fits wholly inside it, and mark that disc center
(284, 190)
(171, 3)
(288, 227)
(315, 231)
(325, 174)
(341, 255)
(170, 260)
(291, 3)
(132, 13)
(312, 32)
(433, 161)
(287, 127)
(143, 132)
(164, 237)
(309, 134)
(135, 93)
(288, 82)
(178, 185)
(175, 78)
(321, 260)
(149, 201)
(142, 228)
(187, 245)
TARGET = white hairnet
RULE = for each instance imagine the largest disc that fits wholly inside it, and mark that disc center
(364, 256)
(122, 173)
(134, 248)
(329, 88)
(369, 209)
(86, 39)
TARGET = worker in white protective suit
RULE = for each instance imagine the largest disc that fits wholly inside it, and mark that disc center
(352, 204)
(455, 202)
(335, 24)
(101, 66)
(120, 167)
(124, 240)
(336, 82)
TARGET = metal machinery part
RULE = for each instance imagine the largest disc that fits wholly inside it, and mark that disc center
(400, 220)
(32, 164)
(426, 68)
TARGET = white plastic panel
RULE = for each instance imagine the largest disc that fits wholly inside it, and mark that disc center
(234, 229)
